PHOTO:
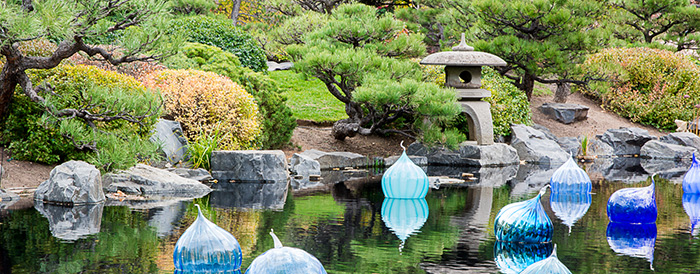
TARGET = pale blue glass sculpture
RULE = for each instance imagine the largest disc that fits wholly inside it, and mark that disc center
(405, 180)
(285, 260)
(570, 178)
(404, 217)
(551, 265)
(691, 204)
(635, 240)
(524, 222)
(513, 258)
(634, 205)
(569, 207)
(206, 247)
(691, 180)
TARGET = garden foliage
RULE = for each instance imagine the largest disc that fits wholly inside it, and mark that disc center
(650, 86)
(192, 7)
(32, 133)
(221, 32)
(206, 103)
(277, 124)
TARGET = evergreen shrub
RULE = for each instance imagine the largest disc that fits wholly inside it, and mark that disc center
(650, 86)
(205, 103)
(277, 123)
(222, 33)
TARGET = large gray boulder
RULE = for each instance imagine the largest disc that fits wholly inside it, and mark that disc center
(249, 165)
(173, 143)
(660, 150)
(571, 145)
(329, 160)
(303, 167)
(682, 139)
(73, 182)
(147, 180)
(565, 113)
(599, 148)
(72, 223)
(626, 141)
(198, 174)
(417, 160)
(467, 155)
(533, 146)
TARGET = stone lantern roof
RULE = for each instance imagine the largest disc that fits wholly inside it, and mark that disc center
(463, 55)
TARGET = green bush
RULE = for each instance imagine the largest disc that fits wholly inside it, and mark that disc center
(278, 122)
(509, 105)
(191, 7)
(223, 34)
(34, 134)
(649, 86)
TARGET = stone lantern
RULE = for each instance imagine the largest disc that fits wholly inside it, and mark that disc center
(463, 72)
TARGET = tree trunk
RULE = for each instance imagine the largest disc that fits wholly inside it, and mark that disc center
(345, 128)
(8, 82)
(235, 10)
(528, 84)
(563, 90)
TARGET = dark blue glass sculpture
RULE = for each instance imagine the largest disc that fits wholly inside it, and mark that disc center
(405, 180)
(551, 265)
(206, 247)
(635, 240)
(404, 217)
(691, 180)
(570, 178)
(524, 222)
(569, 207)
(691, 204)
(634, 205)
(285, 260)
(513, 258)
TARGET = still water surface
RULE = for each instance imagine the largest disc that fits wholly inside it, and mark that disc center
(348, 232)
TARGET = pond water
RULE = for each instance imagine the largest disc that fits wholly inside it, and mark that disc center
(347, 229)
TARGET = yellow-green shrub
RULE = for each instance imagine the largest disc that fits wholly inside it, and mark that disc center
(205, 102)
(650, 86)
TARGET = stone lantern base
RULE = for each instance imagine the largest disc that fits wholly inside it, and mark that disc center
(479, 120)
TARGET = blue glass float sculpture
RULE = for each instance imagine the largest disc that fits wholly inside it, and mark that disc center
(635, 240)
(635, 205)
(285, 260)
(524, 222)
(569, 207)
(404, 179)
(691, 179)
(513, 258)
(404, 217)
(550, 265)
(206, 247)
(570, 178)
(691, 204)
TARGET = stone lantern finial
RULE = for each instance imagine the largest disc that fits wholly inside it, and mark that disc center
(462, 45)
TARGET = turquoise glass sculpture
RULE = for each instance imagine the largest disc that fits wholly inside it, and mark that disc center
(691, 180)
(550, 265)
(635, 240)
(405, 180)
(570, 178)
(285, 260)
(635, 205)
(206, 247)
(404, 217)
(569, 207)
(524, 222)
(691, 204)
(513, 258)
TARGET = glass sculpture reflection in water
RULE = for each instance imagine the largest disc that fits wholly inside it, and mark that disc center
(691, 204)
(570, 178)
(404, 217)
(405, 180)
(550, 265)
(635, 205)
(569, 207)
(285, 260)
(524, 221)
(691, 179)
(206, 247)
(635, 240)
(513, 258)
